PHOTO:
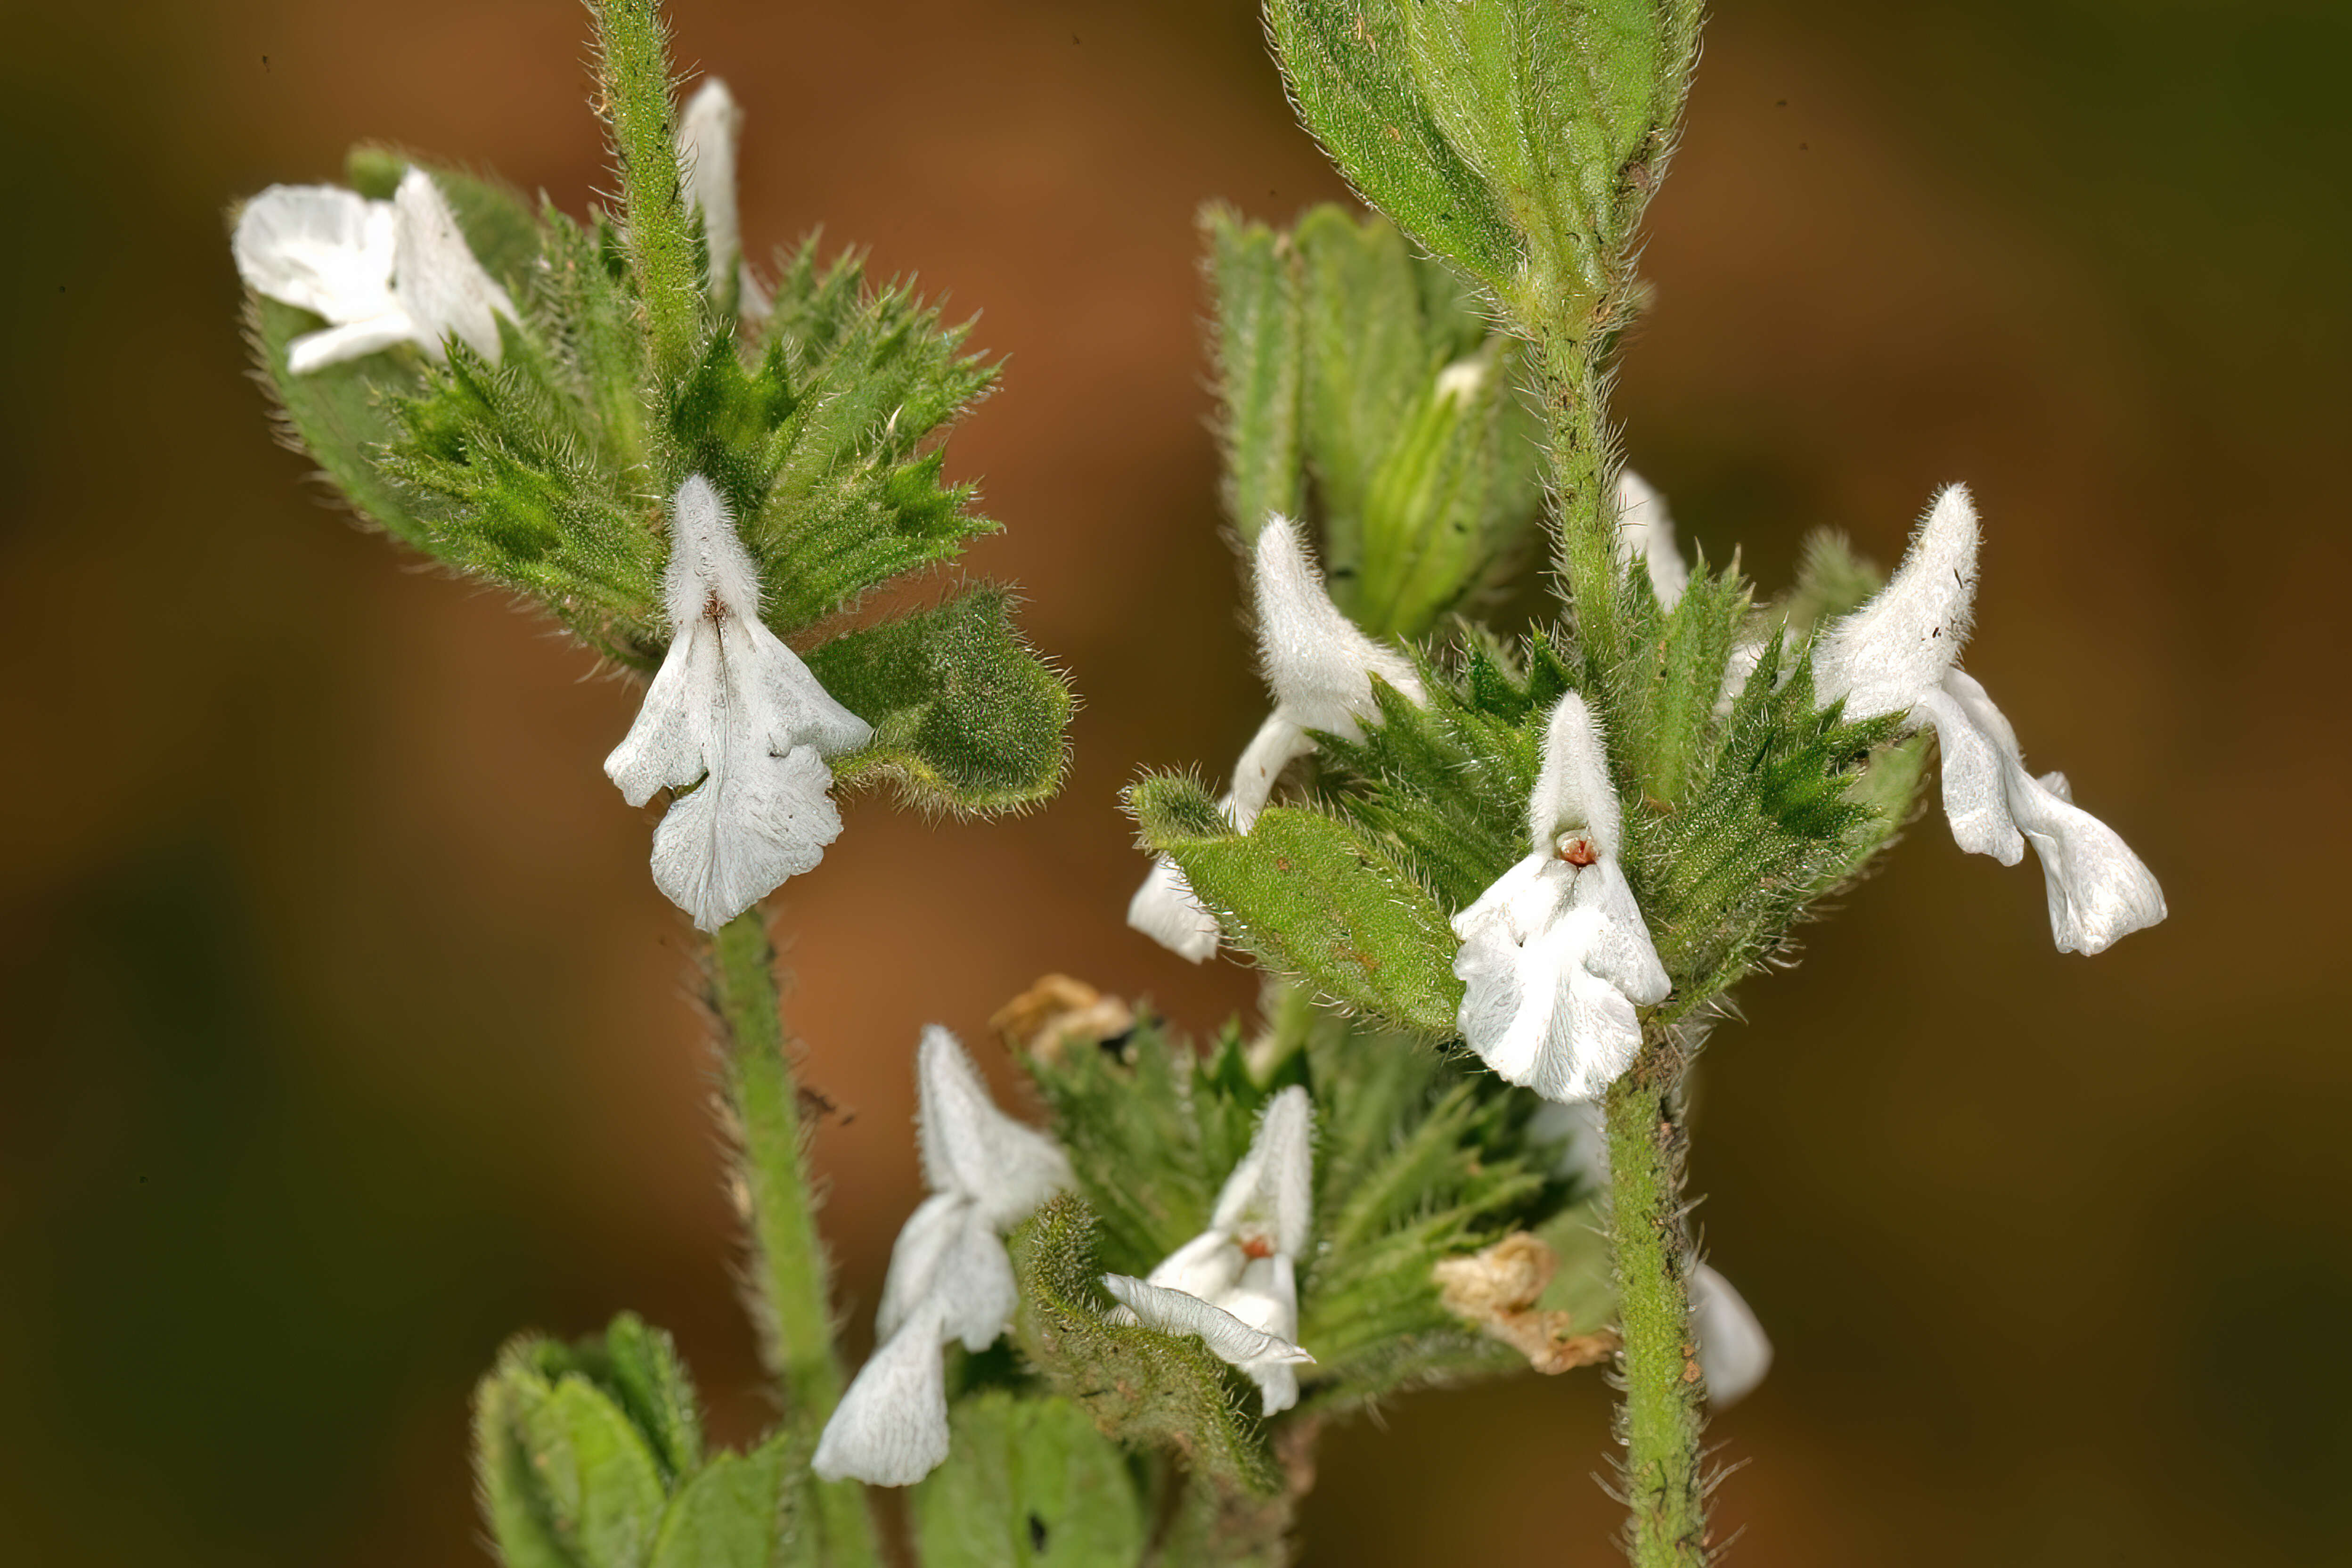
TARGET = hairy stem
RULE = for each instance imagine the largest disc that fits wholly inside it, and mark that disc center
(634, 85)
(1661, 1418)
(1575, 410)
(788, 1273)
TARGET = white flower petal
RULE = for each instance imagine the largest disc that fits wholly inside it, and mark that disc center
(1622, 952)
(1271, 1193)
(1207, 1266)
(1645, 533)
(1976, 798)
(353, 340)
(1175, 1313)
(323, 248)
(708, 132)
(1266, 1300)
(1733, 1352)
(1884, 655)
(2099, 891)
(890, 1428)
(923, 1241)
(1573, 792)
(1277, 744)
(1317, 661)
(972, 1148)
(756, 821)
(1166, 910)
(440, 284)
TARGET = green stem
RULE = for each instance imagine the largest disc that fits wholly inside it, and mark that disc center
(1661, 1415)
(788, 1273)
(1576, 412)
(634, 81)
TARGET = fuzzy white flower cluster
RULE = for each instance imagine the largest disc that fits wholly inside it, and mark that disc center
(734, 713)
(380, 272)
(1321, 668)
(1555, 955)
(950, 1275)
(1235, 1285)
(399, 271)
(1898, 655)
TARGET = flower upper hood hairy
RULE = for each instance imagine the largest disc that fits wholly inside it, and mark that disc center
(949, 1278)
(709, 130)
(735, 709)
(1319, 666)
(1555, 955)
(1897, 655)
(380, 272)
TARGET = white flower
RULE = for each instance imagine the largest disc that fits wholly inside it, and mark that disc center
(1645, 533)
(380, 272)
(1245, 1265)
(949, 1278)
(734, 708)
(1734, 1354)
(707, 133)
(1320, 668)
(1895, 655)
(1555, 954)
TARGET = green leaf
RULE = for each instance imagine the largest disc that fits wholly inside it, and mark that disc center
(1352, 78)
(511, 452)
(965, 717)
(1140, 1388)
(1259, 354)
(856, 381)
(1832, 581)
(567, 1479)
(1563, 106)
(340, 415)
(1027, 1482)
(1668, 694)
(637, 1367)
(1314, 896)
(733, 1513)
(521, 1515)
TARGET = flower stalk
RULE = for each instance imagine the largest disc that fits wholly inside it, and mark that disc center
(1662, 1414)
(634, 95)
(790, 1275)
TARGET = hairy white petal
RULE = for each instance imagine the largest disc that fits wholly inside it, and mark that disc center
(1622, 952)
(444, 289)
(1166, 910)
(972, 1148)
(1733, 1352)
(756, 821)
(890, 1428)
(2099, 891)
(1277, 744)
(323, 248)
(707, 131)
(1173, 1312)
(1976, 799)
(332, 345)
(735, 709)
(1645, 533)
(914, 1257)
(1271, 1193)
(1317, 661)
(1887, 654)
(1207, 1266)
(1573, 792)
(1266, 1300)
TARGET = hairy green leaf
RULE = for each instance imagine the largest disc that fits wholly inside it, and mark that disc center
(965, 717)
(1028, 1482)
(1139, 1386)
(731, 1513)
(1314, 896)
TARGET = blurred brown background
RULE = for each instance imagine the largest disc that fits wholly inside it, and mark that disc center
(343, 1025)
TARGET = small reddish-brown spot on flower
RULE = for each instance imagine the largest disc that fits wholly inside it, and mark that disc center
(1257, 1246)
(1579, 851)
